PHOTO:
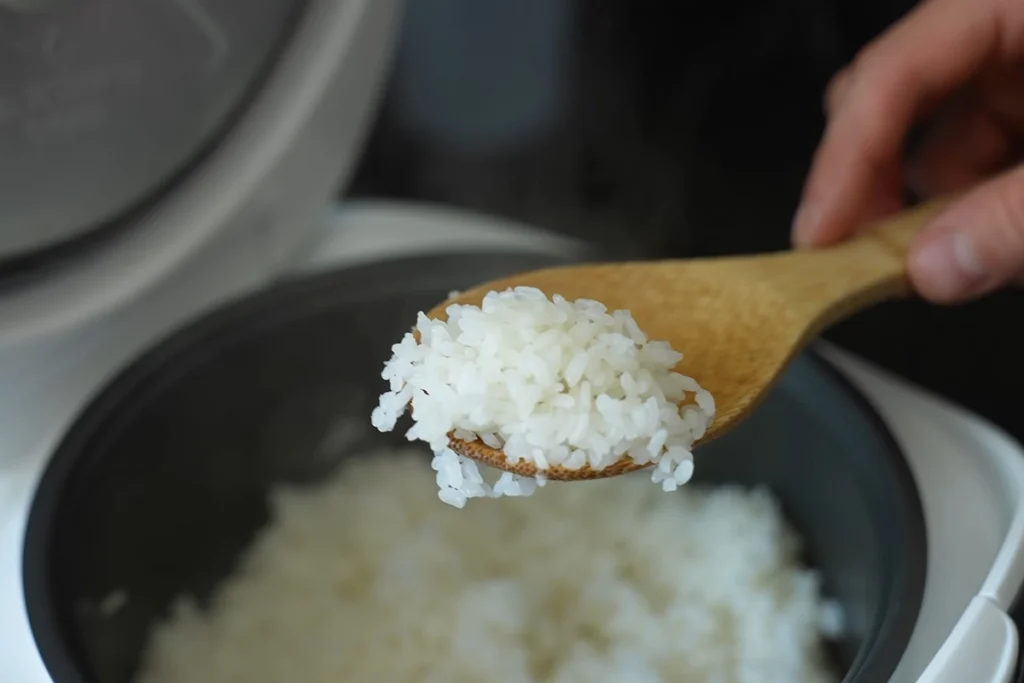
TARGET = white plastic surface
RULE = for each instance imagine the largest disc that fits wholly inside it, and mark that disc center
(970, 477)
(969, 474)
(981, 649)
(370, 231)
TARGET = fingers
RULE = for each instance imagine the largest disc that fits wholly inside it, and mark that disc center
(929, 54)
(961, 151)
(974, 246)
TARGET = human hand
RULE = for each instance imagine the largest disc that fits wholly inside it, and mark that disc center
(965, 58)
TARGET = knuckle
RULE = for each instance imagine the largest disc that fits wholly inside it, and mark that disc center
(862, 57)
(836, 91)
(873, 89)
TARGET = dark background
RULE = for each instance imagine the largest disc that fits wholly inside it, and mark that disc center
(661, 129)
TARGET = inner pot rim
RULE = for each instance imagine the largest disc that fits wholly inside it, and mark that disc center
(77, 453)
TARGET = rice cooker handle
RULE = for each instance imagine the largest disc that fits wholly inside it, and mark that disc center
(982, 648)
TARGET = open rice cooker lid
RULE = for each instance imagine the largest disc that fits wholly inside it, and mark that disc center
(132, 133)
(171, 464)
(104, 103)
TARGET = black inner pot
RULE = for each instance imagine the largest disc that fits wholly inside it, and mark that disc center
(162, 481)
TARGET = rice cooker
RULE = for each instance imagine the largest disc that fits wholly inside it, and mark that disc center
(168, 317)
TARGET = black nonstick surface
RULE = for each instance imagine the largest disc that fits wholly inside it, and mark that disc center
(162, 480)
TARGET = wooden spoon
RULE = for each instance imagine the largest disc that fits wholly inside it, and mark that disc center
(737, 320)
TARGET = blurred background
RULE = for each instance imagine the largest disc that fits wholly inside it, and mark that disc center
(681, 127)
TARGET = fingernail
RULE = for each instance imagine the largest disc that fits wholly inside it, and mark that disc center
(804, 222)
(947, 266)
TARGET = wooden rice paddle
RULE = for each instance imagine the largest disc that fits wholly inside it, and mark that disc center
(738, 320)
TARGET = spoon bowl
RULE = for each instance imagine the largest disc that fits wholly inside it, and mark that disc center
(739, 321)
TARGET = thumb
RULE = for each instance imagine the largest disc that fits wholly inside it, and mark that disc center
(974, 246)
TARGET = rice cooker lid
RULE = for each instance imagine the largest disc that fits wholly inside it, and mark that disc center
(104, 104)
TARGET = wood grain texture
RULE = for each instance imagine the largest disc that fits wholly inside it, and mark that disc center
(738, 321)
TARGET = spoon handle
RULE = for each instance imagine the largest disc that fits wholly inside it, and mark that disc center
(897, 232)
(827, 285)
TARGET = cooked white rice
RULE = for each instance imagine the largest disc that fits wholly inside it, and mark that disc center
(550, 382)
(367, 580)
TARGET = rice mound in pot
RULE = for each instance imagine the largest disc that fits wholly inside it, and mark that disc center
(365, 579)
(548, 381)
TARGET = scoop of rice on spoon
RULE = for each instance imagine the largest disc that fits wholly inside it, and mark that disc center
(573, 373)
